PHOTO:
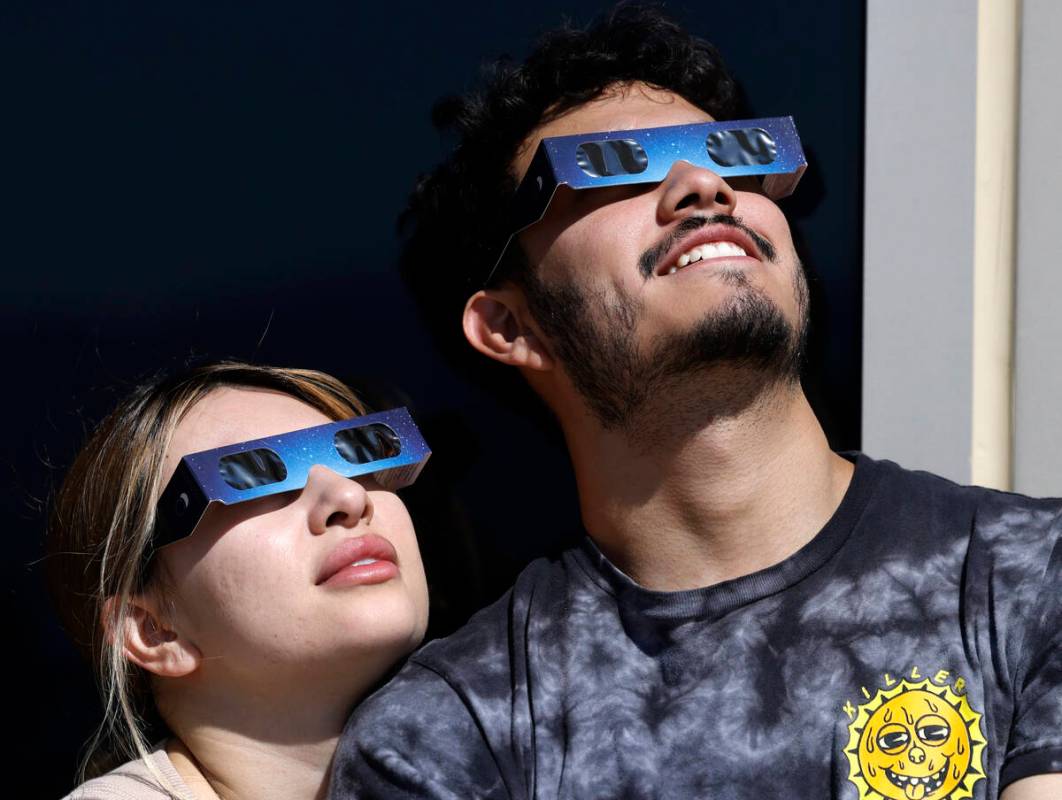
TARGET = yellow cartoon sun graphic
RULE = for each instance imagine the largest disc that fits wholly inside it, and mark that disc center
(916, 741)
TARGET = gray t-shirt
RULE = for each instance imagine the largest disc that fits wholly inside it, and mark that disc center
(911, 651)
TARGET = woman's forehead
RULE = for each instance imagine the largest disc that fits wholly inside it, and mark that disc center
(235, 414)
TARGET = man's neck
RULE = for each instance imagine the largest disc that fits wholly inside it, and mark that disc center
(260, 748)
(693, 505)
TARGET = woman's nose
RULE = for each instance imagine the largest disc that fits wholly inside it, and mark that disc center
(335, 500)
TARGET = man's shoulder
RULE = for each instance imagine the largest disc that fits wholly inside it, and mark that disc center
(487, 635)
(984, 500)
(483, 646)
(1022, 537)
(1000, 525)
(439, 723)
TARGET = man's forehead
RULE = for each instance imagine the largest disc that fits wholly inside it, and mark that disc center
(624, 107)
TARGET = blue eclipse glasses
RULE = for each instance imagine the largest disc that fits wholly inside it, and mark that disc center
(386, 444)
(769, 148)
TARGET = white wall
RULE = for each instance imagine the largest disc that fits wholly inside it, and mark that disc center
(1038, 323)
(919, 211)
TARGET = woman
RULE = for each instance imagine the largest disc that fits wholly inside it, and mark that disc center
(250, 632)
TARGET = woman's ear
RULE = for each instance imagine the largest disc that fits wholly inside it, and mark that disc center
(497, 323)
(147, 641)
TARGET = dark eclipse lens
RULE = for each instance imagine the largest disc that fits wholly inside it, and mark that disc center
(367, 443)
(742, 147)
(252, 468)
(612, 157)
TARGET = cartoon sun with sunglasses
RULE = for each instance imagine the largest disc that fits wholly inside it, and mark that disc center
(916, 742)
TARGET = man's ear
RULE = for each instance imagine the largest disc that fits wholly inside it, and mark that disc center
(497, 323)
(147, 641)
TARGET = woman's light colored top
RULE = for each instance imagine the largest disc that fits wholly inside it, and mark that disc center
(134, 781)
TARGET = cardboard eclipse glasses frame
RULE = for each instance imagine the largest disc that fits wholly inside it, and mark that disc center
(386, 444)
(766, 147)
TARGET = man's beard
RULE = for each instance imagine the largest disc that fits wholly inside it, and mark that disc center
(746, 346)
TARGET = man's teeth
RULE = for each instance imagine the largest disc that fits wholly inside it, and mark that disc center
(705, 251)
(364, 561)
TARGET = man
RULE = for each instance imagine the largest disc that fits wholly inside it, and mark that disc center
(751, 615)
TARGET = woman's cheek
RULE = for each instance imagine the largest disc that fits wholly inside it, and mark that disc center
(241, 586)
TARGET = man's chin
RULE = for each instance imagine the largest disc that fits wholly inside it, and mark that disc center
(749, 333)
(729, 361)
(721, 362)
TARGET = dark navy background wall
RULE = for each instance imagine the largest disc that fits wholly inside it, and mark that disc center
(218, 179)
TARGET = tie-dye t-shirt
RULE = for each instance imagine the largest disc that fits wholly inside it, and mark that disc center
(912, 649)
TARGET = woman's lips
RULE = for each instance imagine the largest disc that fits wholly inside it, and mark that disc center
(358, 561)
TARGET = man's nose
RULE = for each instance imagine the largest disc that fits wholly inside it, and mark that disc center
(690, 190)
(335, 500)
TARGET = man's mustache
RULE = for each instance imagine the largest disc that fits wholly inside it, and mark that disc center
(648, 261)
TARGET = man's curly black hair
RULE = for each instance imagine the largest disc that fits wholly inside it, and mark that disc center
(456, 221)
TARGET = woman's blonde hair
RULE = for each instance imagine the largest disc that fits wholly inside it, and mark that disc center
(100, 528)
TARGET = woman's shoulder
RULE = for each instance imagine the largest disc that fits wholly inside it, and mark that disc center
(136, 780)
